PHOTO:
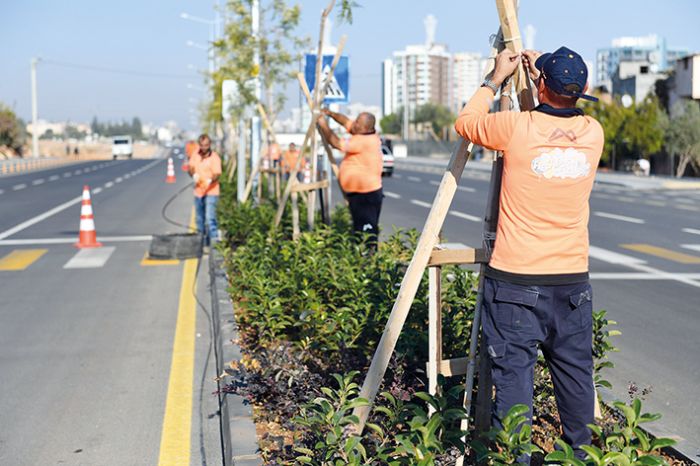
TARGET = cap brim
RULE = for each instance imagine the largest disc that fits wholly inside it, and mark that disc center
(539, 63)
(587, 97)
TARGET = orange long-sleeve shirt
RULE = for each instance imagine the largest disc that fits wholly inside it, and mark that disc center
(549, 165)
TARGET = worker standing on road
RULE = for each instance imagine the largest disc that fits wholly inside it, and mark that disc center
(360, 173)
(205, 169)
(536, 289)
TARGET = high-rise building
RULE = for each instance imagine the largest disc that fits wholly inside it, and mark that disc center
(467, 76)
(651, 49)
(417, 75)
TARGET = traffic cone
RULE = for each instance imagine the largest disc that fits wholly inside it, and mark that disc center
(307, 173)
(170, 178)
(186, 165)
(87, 238)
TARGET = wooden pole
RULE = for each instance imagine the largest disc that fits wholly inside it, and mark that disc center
(434, 329)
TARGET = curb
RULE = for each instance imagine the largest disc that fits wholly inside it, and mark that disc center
(238, 435)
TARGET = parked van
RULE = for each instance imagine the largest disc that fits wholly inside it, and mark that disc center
(122, 146)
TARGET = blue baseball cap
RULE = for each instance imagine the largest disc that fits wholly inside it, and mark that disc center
(564, 72)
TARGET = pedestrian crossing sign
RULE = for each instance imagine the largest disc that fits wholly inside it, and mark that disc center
(338, 90)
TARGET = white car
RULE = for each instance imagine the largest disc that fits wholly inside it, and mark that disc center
(387, 161)
(122, 146)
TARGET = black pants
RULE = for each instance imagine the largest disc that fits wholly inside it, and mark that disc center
(558, 319)
(365, 209)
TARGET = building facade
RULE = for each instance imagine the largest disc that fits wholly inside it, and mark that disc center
(467, 76)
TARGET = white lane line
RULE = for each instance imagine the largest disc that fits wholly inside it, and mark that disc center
(655, 203)
(67, 175)
(421, 203)
(97, 190)
(119, 179)
(90, 258)
(37, 182)
(639, 276)
(686, 201)
(626, 199)
(40, 217)
(639, 265)
(1, 191)
(78, 172)
(17, 187)
(692, 231)
(392, 195)
(693, 247)
(127, 176)
(686, 207)
(602, 196)
(466, 189)
(109, 184)
(471, 218)
(53, 177)
(618, 217)
(414, 178)
(612, 257)
(397, 176)
(102, 239)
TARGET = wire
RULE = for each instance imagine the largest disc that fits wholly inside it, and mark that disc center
(167, 204)
(145, 74)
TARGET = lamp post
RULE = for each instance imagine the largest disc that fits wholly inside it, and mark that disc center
(35, 111)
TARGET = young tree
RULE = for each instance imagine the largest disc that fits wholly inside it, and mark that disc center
(391, 124)
(439, 117)
(683, 135)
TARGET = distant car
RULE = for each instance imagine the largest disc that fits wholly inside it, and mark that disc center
(122, 146)
(387, 161)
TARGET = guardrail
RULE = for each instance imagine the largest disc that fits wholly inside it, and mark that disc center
(19, 165)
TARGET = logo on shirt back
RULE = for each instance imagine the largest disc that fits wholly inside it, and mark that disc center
(561, 163)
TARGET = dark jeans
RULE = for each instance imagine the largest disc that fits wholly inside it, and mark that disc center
(205, 213)
(365, 209)
(517, 320)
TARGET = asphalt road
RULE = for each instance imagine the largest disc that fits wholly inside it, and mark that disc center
(86, 353)
(645, 269)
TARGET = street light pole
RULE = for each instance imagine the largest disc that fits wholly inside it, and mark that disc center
(35, 135)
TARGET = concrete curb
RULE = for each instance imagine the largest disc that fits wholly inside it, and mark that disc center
(238, 434)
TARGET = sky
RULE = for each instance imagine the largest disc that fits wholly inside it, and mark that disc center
(149, 37)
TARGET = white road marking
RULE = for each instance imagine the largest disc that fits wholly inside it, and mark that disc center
(101, 239)
(626, 199)
(127, 176)
(414, 178)
(466, 189)
(397, 176)
(392, 195)
(118, 179)
(77, 172)
(687, 207)
(619, 217)
(90, 258)
(694, 247)
(97, 190)
(67, 174)
(639, 276)
(692, 231)
(109, 184)
(471, 218)
(1, 191)
(53, 177)
(17, 187)
(421, 203)
(686, 201)
(603, 196)
(655, 203)
(37, 182)
(612, 257)
(638, 265)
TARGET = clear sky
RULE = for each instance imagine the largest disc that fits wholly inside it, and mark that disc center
(148, 36)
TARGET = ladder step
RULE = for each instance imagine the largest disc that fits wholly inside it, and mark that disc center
(299, 187)
(455, 253)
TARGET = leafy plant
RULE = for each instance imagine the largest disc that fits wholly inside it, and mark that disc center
(511, 443)
(602, 346)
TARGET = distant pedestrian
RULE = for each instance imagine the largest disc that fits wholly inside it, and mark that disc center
(76, 152)
(67, 150)
(205, 169)
(360, 173)
(643, 167)
(536, 289)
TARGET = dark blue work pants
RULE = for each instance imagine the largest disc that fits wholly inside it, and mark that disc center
(517, 319)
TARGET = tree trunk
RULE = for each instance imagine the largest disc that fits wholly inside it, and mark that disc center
(682, 164)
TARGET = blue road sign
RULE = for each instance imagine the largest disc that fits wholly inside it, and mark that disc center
(338, 90)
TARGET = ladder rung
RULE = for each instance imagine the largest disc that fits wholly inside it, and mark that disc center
(299, 187)
(444, 255)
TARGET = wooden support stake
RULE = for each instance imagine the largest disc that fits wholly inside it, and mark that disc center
(300, 187)
(434, 330)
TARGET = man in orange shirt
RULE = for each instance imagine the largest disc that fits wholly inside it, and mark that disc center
(360, 173)
(205, 169)
(536, 289)
(289, 159)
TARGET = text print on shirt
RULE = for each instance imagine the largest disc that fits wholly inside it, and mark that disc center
(558, 163)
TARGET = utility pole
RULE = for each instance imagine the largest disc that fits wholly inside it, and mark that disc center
(35, 135)
(255, 123)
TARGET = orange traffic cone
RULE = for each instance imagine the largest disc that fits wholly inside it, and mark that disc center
(170, 178)
(87, 237)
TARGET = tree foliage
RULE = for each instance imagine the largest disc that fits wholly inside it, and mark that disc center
(392, 123)
(683, 135)
(12, 131)
(439, 117)
(109, 129)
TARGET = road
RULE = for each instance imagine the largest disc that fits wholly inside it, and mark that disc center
(645, 269)
(86, 350)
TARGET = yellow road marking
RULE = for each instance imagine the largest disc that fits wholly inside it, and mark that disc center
(21, 259)
(147, 262)
(177, 423)
(663, 253)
